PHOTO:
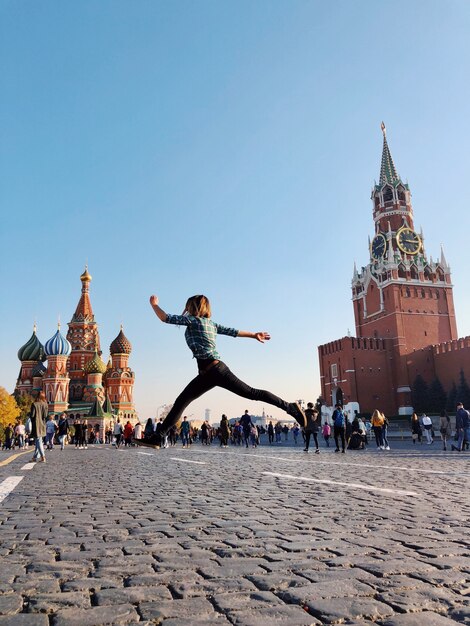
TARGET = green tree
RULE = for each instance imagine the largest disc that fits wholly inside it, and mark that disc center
(463, 390)
(9, 410)
(419, 395)
(452, 398)
(437, 396)
(24, 403)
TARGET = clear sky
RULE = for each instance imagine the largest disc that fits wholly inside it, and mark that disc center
(226, 148)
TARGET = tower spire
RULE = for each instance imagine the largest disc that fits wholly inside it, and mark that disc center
(388, 172)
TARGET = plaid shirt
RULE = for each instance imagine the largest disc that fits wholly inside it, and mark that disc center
(200, 334)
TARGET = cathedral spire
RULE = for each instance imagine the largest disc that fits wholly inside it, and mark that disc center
(388, 172)
(84, 310)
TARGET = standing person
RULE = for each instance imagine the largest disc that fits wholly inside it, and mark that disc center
(296, 431)
(62, 429)
(38, 416)
(313, 425)
(278, 431)
(385, 426)
(77, 432)
(253, 436)
(51, 428)
(246, 424)
(149, 429)
(138, 431)
(377, 426)
(201, 333)
(118, 431)
(427, 425)
(185, 429)
(9, 437)
(85, 434)
(20, 432)
(128, 430)
(445, 428)
(326, 431)
(462, 427)
(270, 433)
(339, 427)
(416, 431)
(205, 433)
(224, 431)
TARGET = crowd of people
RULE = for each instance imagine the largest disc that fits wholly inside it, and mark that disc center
(47, 432)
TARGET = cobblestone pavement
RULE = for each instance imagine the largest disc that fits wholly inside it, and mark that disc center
(257, 537)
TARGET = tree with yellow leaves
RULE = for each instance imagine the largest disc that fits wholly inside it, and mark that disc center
(9, 410)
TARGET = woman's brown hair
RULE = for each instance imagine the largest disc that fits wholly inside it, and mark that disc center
(198, 306)
(41, 396)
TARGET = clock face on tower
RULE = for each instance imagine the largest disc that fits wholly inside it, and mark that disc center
(408, 241)
(378, 246)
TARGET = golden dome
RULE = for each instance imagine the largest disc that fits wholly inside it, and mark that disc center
(85, 277)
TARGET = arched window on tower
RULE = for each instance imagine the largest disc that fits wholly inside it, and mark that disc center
(401, 195)
(427, 273)
(388, 194)
(414, 272)
(401, 271)
(440, 274)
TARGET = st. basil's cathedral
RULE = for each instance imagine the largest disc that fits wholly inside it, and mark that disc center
(75, 379)
(404, 313)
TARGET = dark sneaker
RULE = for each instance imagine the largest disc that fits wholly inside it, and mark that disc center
(296, 411)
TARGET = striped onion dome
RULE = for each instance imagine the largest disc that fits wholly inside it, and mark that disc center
(95, 365)
(121, 345)
(33, 350)
(57, 345)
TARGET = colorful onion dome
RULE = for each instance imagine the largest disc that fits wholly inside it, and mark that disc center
(121, 345)
(57, 345)
(33, 350)
(95, 365)
(85, 277)
(38, 369)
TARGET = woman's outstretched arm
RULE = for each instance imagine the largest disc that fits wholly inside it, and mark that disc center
(158, 311)
(261, 336)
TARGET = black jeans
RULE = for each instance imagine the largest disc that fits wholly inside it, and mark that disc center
(338, 431)
(307, 438)
(218, 376)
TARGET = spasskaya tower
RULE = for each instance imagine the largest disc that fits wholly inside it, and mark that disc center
(402, 301)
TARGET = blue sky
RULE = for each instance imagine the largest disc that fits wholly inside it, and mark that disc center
(227, 148)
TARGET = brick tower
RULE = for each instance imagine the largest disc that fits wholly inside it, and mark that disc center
(84, 337)
(56, 378)
(402, 300)
(120, 378)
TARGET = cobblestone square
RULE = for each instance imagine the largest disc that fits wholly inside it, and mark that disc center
(235, 536)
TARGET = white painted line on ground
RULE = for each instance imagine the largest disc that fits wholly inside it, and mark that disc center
(318, 460)
(174, 458)
(28, 466)
(398, 492)
(7, 486)
(146, 453)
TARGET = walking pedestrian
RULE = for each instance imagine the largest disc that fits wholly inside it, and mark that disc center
(38, 416)
(377, 422)
(224, 431)
(270, 433)
(416, 432)
(246, 424)
(185, 429)
(62, 429)
(339, 423)
(326, 431)
(445, 428)
(427, 425)
(138, 431)
(128, 430)
(462, 427)
(312, 428)
(118, 432)
(51, 428)
(385, 426)
(201, 333)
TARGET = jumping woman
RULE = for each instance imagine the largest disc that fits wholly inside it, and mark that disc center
(200, 336)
